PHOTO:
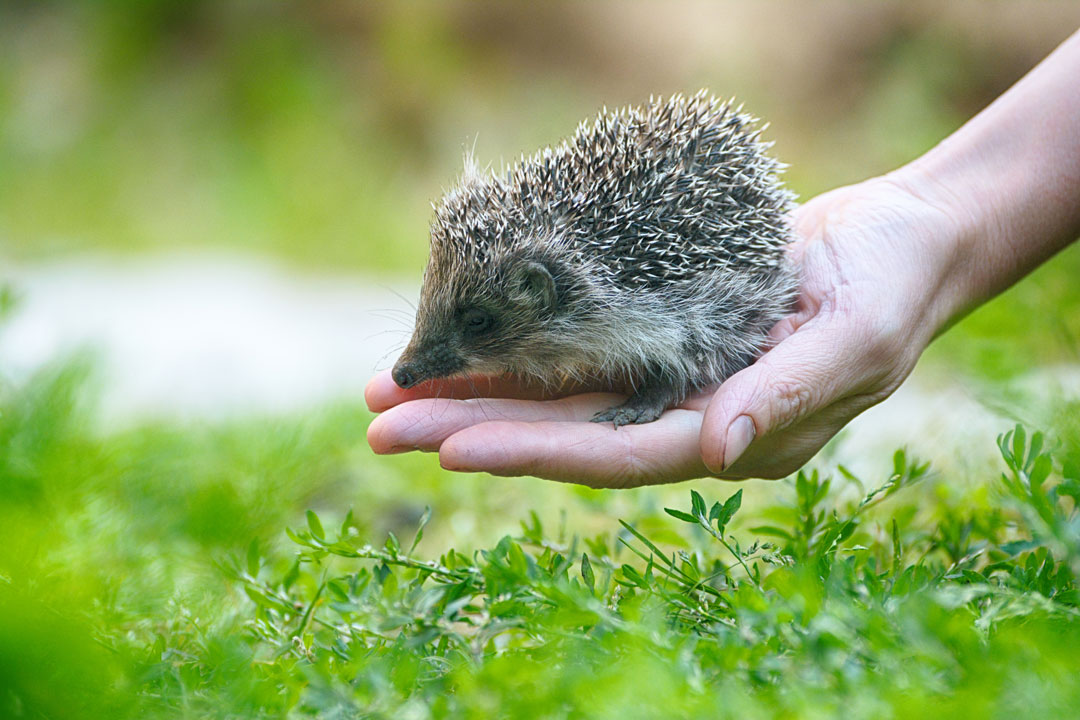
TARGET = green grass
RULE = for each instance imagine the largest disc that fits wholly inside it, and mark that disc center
(217, 571)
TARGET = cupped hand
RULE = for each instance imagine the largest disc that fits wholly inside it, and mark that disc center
(873, 263)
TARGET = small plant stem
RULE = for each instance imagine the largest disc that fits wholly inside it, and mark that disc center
(739, 559)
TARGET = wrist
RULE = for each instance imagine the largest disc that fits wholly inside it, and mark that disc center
(1005, 184)
(944, 232)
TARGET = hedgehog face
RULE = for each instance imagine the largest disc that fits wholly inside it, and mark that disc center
(465, 327)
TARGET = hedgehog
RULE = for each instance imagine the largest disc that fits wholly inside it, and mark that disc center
(645, 254)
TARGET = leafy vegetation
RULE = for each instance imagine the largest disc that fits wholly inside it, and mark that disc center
(143, 577)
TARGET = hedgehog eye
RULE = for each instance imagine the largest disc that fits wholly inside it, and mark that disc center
(476, 321)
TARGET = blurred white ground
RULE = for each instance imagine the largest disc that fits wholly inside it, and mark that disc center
(204, 336)
(212, 336)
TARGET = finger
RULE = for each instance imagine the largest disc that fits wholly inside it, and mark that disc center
(592, 454)
(775, 456)
(788, 324)
(383, 393)
(424, 424)
(804, 373)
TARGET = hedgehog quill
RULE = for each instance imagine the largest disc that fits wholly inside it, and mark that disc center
(646, 253)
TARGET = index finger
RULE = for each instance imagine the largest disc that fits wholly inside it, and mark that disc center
(382, 393)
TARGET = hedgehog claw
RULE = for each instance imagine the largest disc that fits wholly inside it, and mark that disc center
(630, 413)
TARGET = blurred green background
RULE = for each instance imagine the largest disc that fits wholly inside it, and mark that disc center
(317, 134)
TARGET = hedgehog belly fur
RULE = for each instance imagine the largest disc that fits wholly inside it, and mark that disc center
(686, 337)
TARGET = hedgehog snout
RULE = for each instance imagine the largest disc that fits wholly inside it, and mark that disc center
(404, 376)
(429, 363)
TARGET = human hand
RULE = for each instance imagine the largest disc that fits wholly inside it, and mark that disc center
(872, 261)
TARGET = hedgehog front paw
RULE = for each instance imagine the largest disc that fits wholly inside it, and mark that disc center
(627, 415)
(635, 411)
(647, 404)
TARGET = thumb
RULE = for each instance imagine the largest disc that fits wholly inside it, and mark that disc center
(805, 373)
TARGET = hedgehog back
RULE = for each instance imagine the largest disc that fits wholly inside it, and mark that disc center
(653, 195)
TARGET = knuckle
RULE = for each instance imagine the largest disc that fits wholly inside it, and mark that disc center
(887, 353)
(883, 337)
(789, 400)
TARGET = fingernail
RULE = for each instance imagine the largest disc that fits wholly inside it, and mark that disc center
(739, 436)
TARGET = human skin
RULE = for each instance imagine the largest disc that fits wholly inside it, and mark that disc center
(884, 267)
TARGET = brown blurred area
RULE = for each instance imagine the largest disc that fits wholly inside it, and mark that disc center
(814, 70)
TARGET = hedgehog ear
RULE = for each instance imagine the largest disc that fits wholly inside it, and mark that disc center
(536, 283)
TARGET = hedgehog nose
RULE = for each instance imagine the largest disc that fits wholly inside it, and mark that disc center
(403, 376)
